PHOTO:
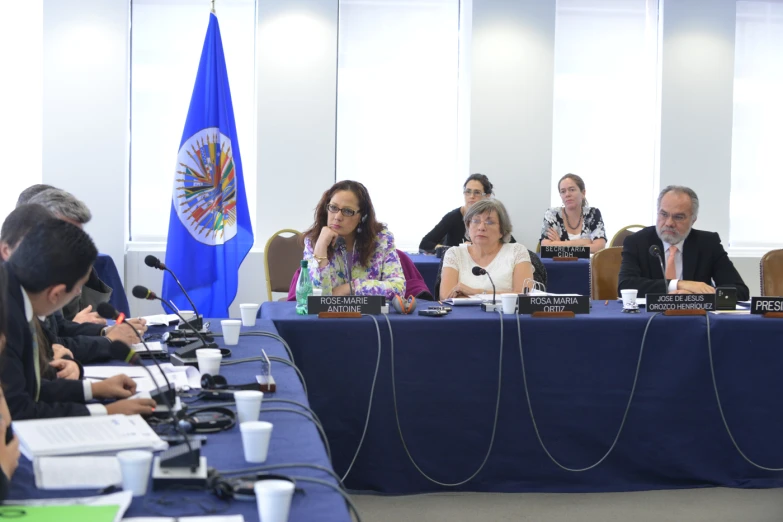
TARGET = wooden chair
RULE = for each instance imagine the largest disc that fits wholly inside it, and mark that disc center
(619, 237)
(605, 267)
(282, 256)
(771, 270)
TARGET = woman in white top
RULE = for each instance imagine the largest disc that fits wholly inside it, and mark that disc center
(489, 228)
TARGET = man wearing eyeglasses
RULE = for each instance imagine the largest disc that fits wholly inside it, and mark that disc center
(694, 260)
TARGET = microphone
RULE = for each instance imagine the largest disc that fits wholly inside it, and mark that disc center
(119, 350)
(348, 264)
(655, 251)
(494, 307)
(153, 262)
(188, 351)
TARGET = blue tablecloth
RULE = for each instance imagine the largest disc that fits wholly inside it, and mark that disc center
(107, 271)
(428, 266)
(580, 372)
(294, 440)
(568, 277)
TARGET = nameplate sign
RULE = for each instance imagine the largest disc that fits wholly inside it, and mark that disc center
(363, 304)
(763, 305)
(579, 252)
(664, 302)
(578, 304)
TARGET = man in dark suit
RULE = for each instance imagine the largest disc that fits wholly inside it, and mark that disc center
(693, 259)
(46, 271)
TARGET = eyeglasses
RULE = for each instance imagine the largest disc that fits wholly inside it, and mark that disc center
(677, 218)
(487, 223)
(476, 193)
(347, 212)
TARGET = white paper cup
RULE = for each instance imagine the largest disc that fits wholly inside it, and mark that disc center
(209, 360)
(135, 466)
(248, 405)
(509, 303)
(249, 312)
(187, 314)
(231, 328)
(255, 439)
(274, 499)
(629, 298)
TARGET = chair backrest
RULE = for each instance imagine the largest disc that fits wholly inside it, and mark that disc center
(605, 268)
(771, 270)
(619, 237)
(282, 256)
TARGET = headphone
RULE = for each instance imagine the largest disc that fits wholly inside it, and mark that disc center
(206, 420)
(404, 307)
(240, 488)
(216, 387)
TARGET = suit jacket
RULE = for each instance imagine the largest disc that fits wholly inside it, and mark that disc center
(58, 398)
(84, 340)
(94, 292)
(703, 259)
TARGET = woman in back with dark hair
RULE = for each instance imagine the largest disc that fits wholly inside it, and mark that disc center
(9, 451)
(451, 229)
(345, 231)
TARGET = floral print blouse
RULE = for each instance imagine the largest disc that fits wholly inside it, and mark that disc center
(382, 277)
(592, 224)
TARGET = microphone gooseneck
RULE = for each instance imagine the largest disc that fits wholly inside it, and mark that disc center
(153, 262)
(348, 263)
(120, 350)
(142, 292)
(477, 271)
(655, 251)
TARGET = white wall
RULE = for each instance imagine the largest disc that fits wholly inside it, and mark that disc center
(512, 93)
(697, 89)
(509, 109)
(85, 112)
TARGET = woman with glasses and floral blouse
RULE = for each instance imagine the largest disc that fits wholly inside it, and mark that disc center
(345, 212)
(451, 229)
(489, 230)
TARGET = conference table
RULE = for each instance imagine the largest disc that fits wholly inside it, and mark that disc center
(294, 440)
(563, 277)
(580, 372)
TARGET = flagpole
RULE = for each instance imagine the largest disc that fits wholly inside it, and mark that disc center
(213, 6)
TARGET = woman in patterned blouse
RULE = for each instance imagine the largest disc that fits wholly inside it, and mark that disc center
(345, 211)
(575, 223)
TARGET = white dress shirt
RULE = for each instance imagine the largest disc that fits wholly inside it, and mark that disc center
(95, 409)
(677, 262)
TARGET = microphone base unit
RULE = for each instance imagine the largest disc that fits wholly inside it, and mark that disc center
(196, 322)
(492, 307)
(173, 477)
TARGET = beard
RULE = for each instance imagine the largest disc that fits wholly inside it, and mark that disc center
(670, 235)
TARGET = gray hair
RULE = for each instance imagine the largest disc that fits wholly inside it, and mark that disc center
(682, 190)
(63, 205)
(485, 206)
(28, 193)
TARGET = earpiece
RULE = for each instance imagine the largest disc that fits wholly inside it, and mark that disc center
(217, 382)
(404, 307)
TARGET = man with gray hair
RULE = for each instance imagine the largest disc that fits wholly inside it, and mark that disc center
(66, 206)
(695, 261)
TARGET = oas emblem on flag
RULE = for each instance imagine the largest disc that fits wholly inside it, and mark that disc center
(205, 194)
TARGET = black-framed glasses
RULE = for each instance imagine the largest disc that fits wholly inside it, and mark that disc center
(476, 193)
(347, 212)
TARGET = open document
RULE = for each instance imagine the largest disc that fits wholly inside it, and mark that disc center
(85, 435)
(181, 377)
(106, 508)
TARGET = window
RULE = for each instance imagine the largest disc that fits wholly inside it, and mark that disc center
(21, 99)
(397, 108)
(166, 43)
(605, 115)
(756, 152)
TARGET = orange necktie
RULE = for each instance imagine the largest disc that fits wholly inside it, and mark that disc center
(671, 268)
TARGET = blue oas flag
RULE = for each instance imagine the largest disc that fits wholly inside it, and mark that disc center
(209, 227)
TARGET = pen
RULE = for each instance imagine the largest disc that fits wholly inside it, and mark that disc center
(606, 303)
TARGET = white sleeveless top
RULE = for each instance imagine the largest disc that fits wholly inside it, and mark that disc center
(501, 268)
